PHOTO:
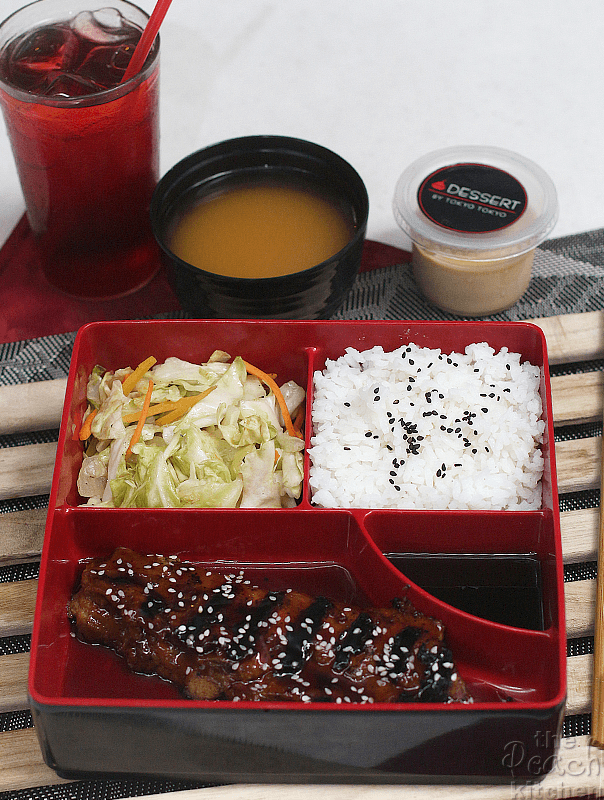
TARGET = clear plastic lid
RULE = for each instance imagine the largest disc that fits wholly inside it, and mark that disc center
(475, 203)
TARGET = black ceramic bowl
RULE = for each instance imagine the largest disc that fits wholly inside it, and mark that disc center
(314, 293)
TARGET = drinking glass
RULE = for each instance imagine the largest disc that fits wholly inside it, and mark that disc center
(87, 156)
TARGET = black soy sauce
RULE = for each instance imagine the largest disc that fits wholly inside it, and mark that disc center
(504, 588)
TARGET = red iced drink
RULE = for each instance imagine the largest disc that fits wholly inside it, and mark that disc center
(86, 146)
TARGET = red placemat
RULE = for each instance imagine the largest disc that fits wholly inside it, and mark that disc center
(33, 308)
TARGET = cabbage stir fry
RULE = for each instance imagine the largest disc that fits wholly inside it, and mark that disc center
(216, 435)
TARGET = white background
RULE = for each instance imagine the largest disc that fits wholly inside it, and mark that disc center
(383, 82)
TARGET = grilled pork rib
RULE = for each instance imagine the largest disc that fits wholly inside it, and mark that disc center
(217, 636)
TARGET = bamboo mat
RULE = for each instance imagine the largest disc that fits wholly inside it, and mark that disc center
(578, 400)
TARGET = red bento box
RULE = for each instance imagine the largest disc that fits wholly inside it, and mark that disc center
(94, 717)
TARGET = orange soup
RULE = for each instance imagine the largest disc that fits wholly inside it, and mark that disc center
(262, 229)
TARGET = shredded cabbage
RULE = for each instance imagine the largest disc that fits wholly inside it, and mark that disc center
(229, 450)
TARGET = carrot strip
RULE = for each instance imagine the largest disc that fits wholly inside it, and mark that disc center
(299, 420)
(134, 377)
(182, 406)
(137, 431)
(86, 428)
(278, 394)
(158, 408)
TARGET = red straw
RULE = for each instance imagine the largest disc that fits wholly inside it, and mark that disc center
(145, 43)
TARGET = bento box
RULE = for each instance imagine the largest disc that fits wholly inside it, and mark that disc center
(494, 578)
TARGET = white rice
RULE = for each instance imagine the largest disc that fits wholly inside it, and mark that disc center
(416, 428)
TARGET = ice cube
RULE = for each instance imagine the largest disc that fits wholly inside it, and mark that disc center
(41, 53)
(105, 26)
(105, 66)
(62, 84)
(113, 39)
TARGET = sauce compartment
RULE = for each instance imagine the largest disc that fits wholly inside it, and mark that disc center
(503, 587)
(94, 716)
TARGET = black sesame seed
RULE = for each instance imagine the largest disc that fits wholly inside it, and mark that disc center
(368, 435)
(484, 410)
(347, 405)
(395, 402)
